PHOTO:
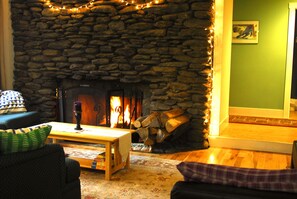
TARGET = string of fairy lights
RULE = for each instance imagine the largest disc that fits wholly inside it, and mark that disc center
(210, 41)
(90, 4)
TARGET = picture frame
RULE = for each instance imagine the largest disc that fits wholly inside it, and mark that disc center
(245, 32)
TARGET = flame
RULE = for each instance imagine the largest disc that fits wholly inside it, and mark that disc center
(115, 103)
(116, 112)
(127, 114)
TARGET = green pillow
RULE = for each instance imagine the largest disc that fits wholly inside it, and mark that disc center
(24, 139)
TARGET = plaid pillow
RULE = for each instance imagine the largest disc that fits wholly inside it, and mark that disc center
(11, 102)
(273, 180)
(24, 139)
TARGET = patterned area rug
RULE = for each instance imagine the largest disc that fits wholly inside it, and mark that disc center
(263, 121)
(147, 178)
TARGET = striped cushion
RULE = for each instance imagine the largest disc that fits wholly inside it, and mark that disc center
(24, 139)
(273, 180)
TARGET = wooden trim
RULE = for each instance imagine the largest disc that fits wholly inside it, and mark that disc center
(256, 112)
(289, 61)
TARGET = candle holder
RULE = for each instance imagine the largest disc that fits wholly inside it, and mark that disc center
(77, 113)
(78, 118)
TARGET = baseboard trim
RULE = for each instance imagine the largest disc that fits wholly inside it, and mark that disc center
(253, 145)
(256, 112)
(224, 124)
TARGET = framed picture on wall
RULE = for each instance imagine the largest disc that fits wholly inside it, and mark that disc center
(245, 32)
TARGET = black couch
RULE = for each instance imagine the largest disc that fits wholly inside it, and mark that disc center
(43, 173)
(191, 190)
(19, 120)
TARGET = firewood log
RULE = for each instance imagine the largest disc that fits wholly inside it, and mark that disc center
(166, 115)
(145, 136)
(173, 123)
(162, 134)
(148, 141)
(137, 122)
(143, 133)
(153, 130)
(151, 120)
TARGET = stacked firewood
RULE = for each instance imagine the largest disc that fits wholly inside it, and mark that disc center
(157, 126)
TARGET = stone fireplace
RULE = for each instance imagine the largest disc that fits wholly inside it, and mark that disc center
(164, 50)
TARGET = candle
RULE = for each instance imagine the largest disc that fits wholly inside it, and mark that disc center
(77, 106)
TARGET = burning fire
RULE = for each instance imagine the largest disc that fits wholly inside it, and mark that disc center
(116, 112)
(127, 114)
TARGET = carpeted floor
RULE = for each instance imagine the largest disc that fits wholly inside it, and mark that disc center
(262, 121)
(147, 178)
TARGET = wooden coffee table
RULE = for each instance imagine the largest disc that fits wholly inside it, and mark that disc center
(114, 139)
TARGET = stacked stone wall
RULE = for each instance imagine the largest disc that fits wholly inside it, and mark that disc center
(166, 46)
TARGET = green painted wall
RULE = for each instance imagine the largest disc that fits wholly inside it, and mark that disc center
(258, 70)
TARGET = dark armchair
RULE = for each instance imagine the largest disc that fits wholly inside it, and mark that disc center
(43, 173)
(202, 190)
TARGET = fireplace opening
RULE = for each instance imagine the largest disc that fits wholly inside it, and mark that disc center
(110, 104)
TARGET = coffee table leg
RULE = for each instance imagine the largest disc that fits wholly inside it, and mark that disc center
(127, 165)
(108, 161)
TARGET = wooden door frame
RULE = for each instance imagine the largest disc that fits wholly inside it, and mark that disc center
(289, 62)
